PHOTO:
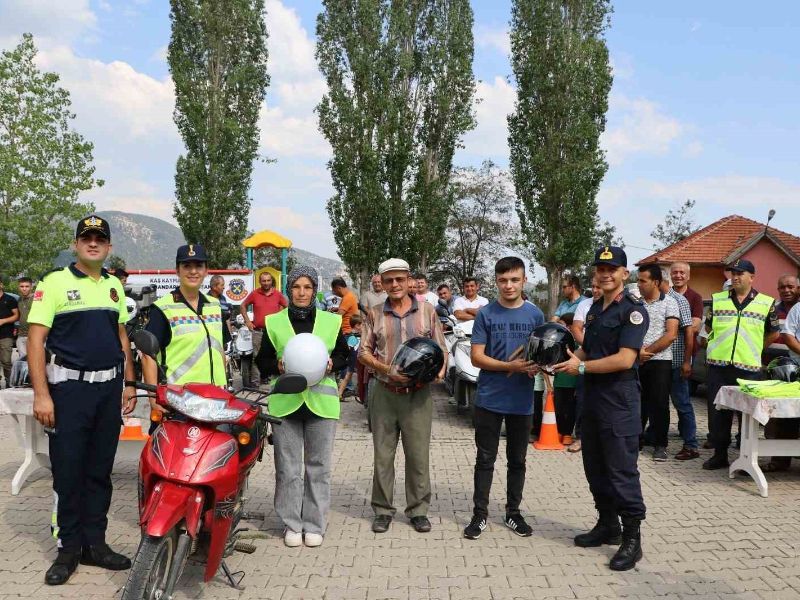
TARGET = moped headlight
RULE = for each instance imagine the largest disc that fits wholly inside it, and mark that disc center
(202, 409)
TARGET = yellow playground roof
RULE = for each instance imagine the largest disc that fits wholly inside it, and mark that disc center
(266, 238)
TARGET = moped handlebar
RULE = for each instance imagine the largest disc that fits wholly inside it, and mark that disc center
(142, 386)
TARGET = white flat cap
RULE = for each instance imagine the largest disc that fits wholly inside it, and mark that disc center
(393, 264)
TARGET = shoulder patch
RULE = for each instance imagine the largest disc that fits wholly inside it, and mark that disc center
(636, 317)
(51, 271)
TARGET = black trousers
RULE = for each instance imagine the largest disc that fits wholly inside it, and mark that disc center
(487, 439)
(565, 401)
(82, 449)
(538, 407)
(610, 431)
(722, 420)
(656, 379)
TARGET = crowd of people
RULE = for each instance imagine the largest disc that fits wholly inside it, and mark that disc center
(634, 350)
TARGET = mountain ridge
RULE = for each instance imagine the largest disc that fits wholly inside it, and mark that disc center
(147, 242)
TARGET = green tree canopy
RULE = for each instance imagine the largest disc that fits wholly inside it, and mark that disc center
(400, 90)
(560, 62)
(678, 224)
(218, 60)
(44, 165)
(479, 224)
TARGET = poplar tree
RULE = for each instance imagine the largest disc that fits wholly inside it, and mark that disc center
(400, 91)
(560, 62)
(218, 60)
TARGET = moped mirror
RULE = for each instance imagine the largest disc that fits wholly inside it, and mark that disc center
(289, 383)
(146, 343)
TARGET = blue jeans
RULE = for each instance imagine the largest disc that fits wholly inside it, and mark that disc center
(682, 401)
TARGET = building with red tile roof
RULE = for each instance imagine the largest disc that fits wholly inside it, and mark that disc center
(707, 251)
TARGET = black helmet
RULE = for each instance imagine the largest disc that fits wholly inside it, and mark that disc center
(548, 343)
(784, 368)
(420, 359)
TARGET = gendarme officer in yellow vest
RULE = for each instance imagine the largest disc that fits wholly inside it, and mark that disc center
(188, 326)
(304, 439)
(77, 352)
(743, 323)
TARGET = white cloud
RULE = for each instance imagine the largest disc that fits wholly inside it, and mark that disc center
(62, 21)
(496, 38)
(160, 55)
(638, 126)
(309, 231)
(726, 191)
(636, 206)
(113, 99)
(693, 149)
(490, 138)
(132, 195)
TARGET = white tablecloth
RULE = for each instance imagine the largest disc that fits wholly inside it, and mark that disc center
(754, 411)
(19, 401)
(18, 404)
(761, 409)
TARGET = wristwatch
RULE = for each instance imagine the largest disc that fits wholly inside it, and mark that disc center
(581, 368)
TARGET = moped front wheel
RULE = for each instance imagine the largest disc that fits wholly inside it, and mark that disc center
(150, 569)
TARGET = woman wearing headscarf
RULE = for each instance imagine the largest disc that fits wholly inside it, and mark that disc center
(304, 440)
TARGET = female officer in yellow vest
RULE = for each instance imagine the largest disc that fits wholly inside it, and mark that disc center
(188, 326)
(304, 440)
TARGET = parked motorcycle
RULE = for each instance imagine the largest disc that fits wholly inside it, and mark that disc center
(193, 475)
(461, 379)
(239, 351)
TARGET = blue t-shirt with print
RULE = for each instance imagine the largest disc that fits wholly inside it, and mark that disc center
(502, 330)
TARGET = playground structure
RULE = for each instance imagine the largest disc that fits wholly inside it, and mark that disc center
(268, 239)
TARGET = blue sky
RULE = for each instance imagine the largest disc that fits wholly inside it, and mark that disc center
(704, 106)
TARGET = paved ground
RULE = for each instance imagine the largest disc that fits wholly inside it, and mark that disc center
(705, 537)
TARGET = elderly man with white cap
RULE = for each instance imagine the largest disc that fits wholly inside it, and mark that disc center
(396, 406)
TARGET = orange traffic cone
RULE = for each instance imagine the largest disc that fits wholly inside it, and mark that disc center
(548, 435)
(132, 430)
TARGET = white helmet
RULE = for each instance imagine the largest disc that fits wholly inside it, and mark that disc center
(130, 304)
(305, 354)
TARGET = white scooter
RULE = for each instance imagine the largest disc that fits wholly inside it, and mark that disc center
(461, 379)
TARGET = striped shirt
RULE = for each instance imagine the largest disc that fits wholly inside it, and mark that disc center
(385, 330)
(660, 310)
(685, 320)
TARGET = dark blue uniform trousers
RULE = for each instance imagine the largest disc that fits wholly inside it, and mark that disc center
(610, 437)
(88, 418)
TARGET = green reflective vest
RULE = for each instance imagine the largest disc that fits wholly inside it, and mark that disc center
(195, 354)
(737, 336)
(321, 399)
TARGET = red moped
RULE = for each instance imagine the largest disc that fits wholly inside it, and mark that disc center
(192, 479)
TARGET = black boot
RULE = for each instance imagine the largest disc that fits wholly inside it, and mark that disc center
(62, 568)
(101, 555)
(630, 552)
(605, 531)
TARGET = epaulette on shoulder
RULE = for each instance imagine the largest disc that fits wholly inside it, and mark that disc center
(51, 271)
(634, 299)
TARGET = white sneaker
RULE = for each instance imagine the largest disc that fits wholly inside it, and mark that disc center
(313, 540)
(292, 539)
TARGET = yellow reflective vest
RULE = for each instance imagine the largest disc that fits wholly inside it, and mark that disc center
(321, 399)
(737, 336)
(195, 354)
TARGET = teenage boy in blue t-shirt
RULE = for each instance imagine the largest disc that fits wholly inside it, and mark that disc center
(505, 392)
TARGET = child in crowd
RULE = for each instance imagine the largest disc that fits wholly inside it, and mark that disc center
(353, 342)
